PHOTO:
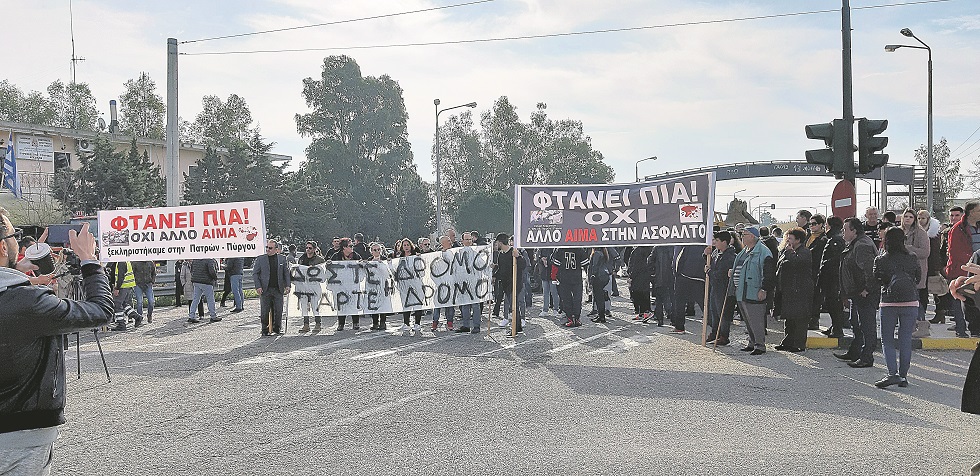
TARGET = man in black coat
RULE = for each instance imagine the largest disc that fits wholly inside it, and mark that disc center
(720, 310)
(828, 278)
(816, 241)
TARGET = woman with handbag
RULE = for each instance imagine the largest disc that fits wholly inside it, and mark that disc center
(897, 272)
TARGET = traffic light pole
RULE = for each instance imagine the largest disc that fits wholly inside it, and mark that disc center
(847, 87)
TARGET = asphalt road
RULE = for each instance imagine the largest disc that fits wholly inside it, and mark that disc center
(620, 398)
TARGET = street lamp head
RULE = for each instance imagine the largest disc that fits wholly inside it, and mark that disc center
(892, 48)
(907, 32)
(472, 104)
(436, 102)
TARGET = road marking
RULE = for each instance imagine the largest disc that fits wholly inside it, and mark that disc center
(394, 350)
(586, 340)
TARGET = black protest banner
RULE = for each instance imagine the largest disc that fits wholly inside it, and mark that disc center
(677, 211)
(455, 277)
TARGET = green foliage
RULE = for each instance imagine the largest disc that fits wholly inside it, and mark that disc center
(142, 110)
(107, 179)
(71, 105)
(490, 212)
(360, 157)
(506, 152)
(220, 123)
(947, 181)
(244, 172)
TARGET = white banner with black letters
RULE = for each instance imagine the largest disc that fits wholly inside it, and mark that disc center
(455, 277)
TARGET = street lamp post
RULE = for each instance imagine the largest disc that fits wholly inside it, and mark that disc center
(439, 164)
(930, 173)
(824, 205)
(638, 166)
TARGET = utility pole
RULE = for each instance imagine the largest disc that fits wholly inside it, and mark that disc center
(172, 167)
(848, 128)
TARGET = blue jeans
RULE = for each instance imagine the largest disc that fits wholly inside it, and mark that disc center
(236, 291)
(545, 295)
(955, 307)
(904, 318)
(471, 315)
(203, 291)
(865, 327)
(449, 311)
(144, 290)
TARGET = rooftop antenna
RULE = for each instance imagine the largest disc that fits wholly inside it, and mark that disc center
(74, 66)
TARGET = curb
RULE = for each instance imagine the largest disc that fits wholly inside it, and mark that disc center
(925, 343)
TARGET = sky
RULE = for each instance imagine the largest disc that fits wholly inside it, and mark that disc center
(691, 95)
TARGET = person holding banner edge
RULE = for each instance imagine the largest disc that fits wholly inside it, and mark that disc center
(347, 253)
(469, 313)
(310, 257)
(272, 279)
(504, 267)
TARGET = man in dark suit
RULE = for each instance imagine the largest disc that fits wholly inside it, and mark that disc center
(272, 281)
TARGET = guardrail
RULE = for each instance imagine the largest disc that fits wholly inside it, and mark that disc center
(164, 284)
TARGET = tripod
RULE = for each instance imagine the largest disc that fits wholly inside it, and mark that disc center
(72, 289)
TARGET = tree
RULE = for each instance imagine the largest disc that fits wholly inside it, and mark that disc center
(207, 181)
(74, 106)
(947, 181)
(34, 108)
(222, 123)
(106, 180)
(142, 109)
(493, 212)
(360, 157)
(506, 152)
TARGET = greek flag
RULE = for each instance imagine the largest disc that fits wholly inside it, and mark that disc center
(11, 181)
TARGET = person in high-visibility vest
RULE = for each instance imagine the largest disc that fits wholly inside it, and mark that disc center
(122, 291)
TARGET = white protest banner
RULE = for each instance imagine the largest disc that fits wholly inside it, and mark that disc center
(455, 277)
(219, 230)
(677, 211)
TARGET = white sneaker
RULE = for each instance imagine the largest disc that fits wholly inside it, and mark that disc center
(417, 328)
(404, 328)
(504, 323)
(523, 323)
(543, 314)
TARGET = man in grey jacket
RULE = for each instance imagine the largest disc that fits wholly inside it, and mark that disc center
(857, 284)
(32, 321)
(272, 282)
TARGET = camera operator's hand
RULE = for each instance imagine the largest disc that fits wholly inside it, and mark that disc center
(82, 243)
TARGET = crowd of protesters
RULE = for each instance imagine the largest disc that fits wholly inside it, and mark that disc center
(870, 275)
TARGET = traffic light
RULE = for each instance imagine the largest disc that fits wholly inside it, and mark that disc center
(869, 145)
(836, 156)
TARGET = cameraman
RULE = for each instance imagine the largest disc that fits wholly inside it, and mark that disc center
(32, 321)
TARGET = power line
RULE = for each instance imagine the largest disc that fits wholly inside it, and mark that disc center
(964, 141)
(555, 35)
(375, 17)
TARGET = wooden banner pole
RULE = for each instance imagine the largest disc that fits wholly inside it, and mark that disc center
(704, 310)
(513, 295)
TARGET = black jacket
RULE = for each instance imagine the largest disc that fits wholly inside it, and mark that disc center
(661, 263)
(638, 268)
(505, 269)
(721, 264)
(857, 268)
(794, 279)
(570, 263)
(898, 276)
(816, 247)
(234, 266)
(690, 262)
(829, 276)
(32, 321)
(204, 271)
